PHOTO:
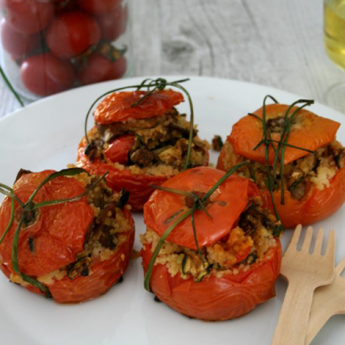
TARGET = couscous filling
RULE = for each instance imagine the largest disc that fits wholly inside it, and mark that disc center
(246, 244)
(160, 141)
(317, 168)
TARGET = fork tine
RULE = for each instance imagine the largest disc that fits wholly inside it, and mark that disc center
(295, 238)
(340, 267)
(318, 241)
(307, 240)
(330, 244)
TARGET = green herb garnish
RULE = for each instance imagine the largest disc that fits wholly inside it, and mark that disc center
(29, 209)
(279, 150)
(199, 203)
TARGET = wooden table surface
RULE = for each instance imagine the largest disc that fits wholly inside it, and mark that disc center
(269, 42)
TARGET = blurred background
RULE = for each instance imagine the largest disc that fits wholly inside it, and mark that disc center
(268, 42)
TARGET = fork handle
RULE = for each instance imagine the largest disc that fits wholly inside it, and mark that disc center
(293, 320)
(316, 322)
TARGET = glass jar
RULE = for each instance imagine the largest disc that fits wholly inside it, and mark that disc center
(49, 46)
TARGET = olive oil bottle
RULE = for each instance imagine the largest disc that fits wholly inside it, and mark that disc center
(334, 31)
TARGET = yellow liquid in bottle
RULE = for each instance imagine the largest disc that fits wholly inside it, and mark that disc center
(334, 31)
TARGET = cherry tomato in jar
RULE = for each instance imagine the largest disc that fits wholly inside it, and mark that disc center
(72, 33)
(96, 7)
(16, 43)
(99, 68)
(118, 68)
(28, 16)
(112, 24)
(64, 6)
(45, 74)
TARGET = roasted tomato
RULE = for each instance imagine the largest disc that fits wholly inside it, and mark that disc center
(77, 249)
(314, 180)
(241, 255)
(118, 106)
(156, 151)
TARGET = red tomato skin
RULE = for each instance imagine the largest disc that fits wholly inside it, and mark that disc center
(117, 107)
(57, 235)
(16, 43)
(104, 274)
(118, 68)
(99, 68)
(137, 184)
(28, 16)
(112, 24)
(118, 150)
(97, 7)
(45, 74)
(71, 34)
(96, 69)
(215, 299)
(229, 202)
(315, 206)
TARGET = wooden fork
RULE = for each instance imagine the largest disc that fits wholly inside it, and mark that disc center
(304, 273)
(328, 301)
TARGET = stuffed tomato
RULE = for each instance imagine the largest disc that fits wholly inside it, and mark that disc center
(72, 241)
(310, 184)
(140, 139)
(222, 257)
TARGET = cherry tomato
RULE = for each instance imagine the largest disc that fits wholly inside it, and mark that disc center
(64, 6)
(45, 74)
(99, 68)
(72, 33)
(28, 16)
(118, 68)
(118, 106)
(118, 150)
(97, 7)
(17, 44)
(112, 24)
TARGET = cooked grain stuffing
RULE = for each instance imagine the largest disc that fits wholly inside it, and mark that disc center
(317, 169)
(158, 143)
(108, 230)
(246, 245)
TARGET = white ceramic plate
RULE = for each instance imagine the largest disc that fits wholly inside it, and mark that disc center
(45, 135)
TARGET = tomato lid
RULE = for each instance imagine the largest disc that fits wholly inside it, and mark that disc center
(225, 206)
(58, 232)
(118, 106)
(309, 131)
